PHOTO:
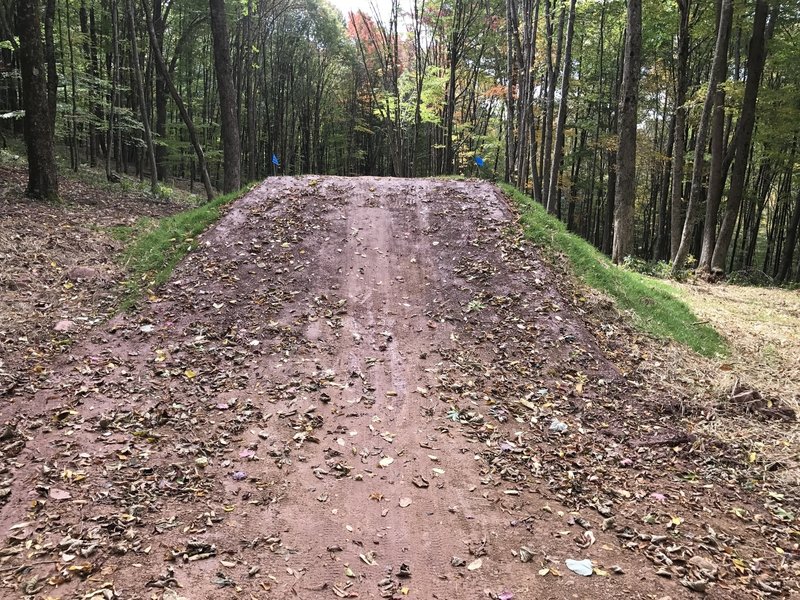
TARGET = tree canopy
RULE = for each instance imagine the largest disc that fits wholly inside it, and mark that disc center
(533, 90)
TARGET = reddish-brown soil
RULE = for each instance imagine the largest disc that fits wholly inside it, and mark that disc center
(349, 391)
(58, 264)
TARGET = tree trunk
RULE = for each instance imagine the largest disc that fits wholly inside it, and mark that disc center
(558, 150)
(625, 197)
(756, 58)
(785, 269)
(717, 75)
(159, 24)
(547, 132)
(681, 113)
(42, 172)
(716, 182)
(114, 68)
(176, 97)
(50, 56)
(231, 148)
(137, 76)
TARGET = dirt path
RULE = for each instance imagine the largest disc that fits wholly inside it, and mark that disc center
(350, 390)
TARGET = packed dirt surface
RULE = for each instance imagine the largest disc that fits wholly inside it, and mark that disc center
(60, 274)
(369, 388)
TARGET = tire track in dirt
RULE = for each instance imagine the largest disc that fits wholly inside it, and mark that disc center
(237, 425)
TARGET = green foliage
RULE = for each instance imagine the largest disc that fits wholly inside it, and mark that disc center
(155, 246)
(659, 269)
(656, 307)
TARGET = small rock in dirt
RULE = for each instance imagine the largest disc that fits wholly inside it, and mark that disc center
(82, 273)
(475, 565)
(65, 325)
(525, 554)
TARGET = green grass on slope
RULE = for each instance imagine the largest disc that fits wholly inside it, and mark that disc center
(155, 246)
(655, 304)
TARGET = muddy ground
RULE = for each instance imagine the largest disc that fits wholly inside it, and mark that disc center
(370, 388)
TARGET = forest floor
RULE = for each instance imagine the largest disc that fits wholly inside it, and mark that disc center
(368, 388)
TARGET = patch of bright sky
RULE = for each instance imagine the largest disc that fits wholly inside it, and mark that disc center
(384, 7)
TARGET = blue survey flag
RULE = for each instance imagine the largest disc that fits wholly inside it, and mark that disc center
(275, 160)
(479, 160)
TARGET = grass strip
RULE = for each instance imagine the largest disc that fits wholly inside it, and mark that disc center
(655, 304)
(155, 246)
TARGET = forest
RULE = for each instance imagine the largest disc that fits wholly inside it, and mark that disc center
(663, 132)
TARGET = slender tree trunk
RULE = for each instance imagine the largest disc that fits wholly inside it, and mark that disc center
(231, 144)
(717, 75)
(558, 151)
(176, 97)
(50, 57)
(551, 94)
(716, 182)
(625, 198)
(114, 74)
(74, 158)
(512, 80)
(681, 113)
(755, 68)
(137, 76)
(42, 172)
(159, 24)
(785, 268)
(660, 250)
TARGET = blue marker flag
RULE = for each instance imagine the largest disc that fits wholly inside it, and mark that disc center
(275, 160)
(479, 160)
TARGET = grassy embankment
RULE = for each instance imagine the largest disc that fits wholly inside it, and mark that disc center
(154, 246)
(655, 305)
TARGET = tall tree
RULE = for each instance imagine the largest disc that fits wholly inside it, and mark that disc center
(137, 77)
(558, 150)
(717, 75)
(176, 97)
(625, 198)
(680, 115)
(231, 142)
(756, 58)
(42, 172)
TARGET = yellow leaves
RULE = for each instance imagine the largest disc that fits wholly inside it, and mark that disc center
(739, 512)
(740, 565)
(72, 476)
(675, 522)
(189, 374)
